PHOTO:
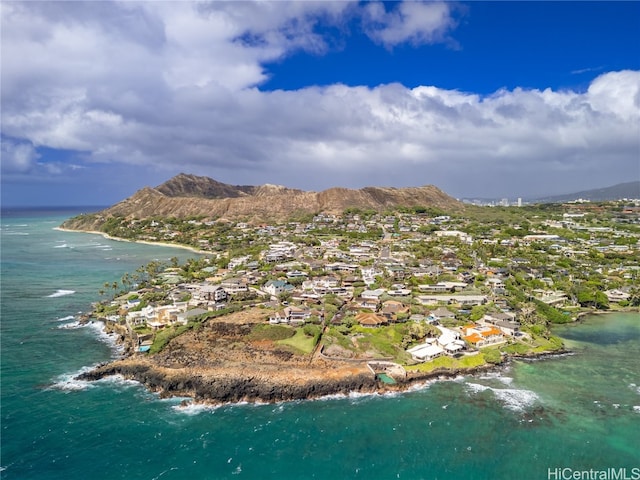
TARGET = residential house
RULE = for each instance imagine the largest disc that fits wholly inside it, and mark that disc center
(442, 313)
(140, 317)
(391, 309)
(373, 294)
(426, 351)
(493, 317)
(371, 320)
(508, 328)
(341, 267)
(465, 300)
(297, 315)
(443, 287)
(296, 274)
(553, 298)
(617, 296)
(399, 291)
(396, 271)
(464, 237)
(350, 280)
(496, 284)
(234, 285)
(276, 287)
(480, 336)
(367, 303)
(211, 293)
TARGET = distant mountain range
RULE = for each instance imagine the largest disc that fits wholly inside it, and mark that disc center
(189, 195)
(615, 192)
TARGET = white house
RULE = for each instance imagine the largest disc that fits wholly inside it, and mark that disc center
(276, 287)
(616, 296)
(372, 294)
(425, 352)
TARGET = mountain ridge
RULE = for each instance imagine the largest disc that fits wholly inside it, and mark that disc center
(613, 192)
(189, 195)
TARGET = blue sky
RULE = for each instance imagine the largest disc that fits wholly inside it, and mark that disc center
(565, 45)
(483, 99)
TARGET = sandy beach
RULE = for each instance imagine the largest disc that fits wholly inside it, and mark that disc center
(145, 242)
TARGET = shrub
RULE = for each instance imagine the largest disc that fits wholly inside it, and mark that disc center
(492, 356)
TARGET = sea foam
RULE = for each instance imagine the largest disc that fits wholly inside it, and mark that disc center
(512, 398)
(191, 408)
(498, 377)
(111, 339)
(71, 325)
(68, 382)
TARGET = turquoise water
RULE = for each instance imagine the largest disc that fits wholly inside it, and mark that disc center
(580, 411)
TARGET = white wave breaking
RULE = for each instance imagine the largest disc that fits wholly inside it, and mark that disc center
(97, 328)
(498, 377)
(68, 382)
(514, 399)
(64, 319)
(71, 325)
(111, 339)
(192, 408)
(61, 293)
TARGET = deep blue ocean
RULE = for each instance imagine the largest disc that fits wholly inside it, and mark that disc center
(578, 412)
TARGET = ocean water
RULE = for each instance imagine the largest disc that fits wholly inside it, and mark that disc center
(579, 411)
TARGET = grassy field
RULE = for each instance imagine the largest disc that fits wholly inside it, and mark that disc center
(467, 361)
(384, 340)
(270, 332)
(300, 342)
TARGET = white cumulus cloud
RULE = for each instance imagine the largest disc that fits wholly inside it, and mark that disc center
(416, 22)
(18, 157)
(175, 87)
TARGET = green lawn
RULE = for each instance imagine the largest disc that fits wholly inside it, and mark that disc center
(300, 342)
(262, 331)
(467, 361)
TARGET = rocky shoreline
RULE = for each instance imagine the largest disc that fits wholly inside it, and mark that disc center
(221, 364)
(219, 388)
(229, 382)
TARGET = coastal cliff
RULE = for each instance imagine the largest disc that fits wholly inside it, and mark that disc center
(219, 385)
